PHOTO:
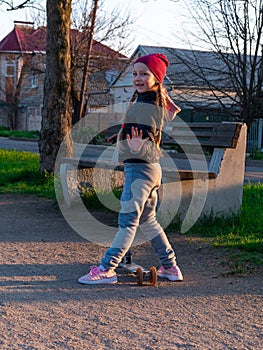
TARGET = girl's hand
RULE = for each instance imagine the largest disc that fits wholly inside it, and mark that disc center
(135, 142)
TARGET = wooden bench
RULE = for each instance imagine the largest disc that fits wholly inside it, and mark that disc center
(203, 170)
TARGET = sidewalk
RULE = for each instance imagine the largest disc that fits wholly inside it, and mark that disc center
(42, 306)
(253, 170)
(19, 144)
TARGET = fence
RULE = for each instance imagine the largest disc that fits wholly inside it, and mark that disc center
(100, 121)
(254, 137)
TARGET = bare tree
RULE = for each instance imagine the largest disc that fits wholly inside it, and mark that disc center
(93, 26)
(60, 87)
(233, 30)
(33, 66)
(13, 88)
(90, 33)
(18, 5)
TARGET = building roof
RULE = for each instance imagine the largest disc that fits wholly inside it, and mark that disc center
(25, 38)
(193, 78)
(187, 67)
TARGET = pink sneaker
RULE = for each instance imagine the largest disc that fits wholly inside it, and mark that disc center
(97, 276)
(173, 273)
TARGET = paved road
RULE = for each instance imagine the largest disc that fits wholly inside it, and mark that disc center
(253, 171)
(19, 145)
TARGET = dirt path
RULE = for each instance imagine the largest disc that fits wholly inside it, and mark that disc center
(43, 307)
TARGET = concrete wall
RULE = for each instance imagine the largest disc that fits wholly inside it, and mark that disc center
(221, 196)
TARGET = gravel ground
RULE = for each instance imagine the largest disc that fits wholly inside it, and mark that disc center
(43, 307)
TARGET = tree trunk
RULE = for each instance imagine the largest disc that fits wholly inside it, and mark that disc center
(56, 112)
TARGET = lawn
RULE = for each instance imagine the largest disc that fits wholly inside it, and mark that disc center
(4, 132)
(19, 173)
(242, 234)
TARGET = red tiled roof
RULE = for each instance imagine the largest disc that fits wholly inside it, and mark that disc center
(26, 38)
(97, 48)
(103, 49)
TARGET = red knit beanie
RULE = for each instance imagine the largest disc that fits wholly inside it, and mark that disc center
(157, 63)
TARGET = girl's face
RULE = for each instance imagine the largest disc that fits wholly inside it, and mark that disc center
(143, 79)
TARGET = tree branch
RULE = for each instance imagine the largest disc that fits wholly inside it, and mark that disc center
(23, 4)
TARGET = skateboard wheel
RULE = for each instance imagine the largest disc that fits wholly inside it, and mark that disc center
(139, 274)
(153, 276)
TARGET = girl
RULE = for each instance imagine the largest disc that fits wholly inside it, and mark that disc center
(139, 149)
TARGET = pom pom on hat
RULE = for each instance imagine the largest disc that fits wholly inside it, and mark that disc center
(157, 63)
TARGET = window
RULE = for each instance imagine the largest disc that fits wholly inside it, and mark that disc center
(10, 69)
(111, 75)
(34, 81)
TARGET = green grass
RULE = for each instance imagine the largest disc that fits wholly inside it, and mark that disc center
(256, 154)
(19, 133)
(241, 234)
(91, 200)
(19, 173)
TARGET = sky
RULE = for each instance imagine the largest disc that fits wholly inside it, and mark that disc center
(157, 22)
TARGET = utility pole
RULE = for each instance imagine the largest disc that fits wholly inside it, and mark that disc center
(88, 55)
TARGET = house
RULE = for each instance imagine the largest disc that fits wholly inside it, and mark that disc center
(184, 81)
(199, 82)
(22, 70)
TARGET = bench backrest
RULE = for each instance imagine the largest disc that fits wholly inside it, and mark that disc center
(209, 134)
(220, 135)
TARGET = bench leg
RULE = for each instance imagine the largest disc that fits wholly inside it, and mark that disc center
(64, 168)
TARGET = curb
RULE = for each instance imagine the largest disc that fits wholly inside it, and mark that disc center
(30, 139)
(254, 163)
